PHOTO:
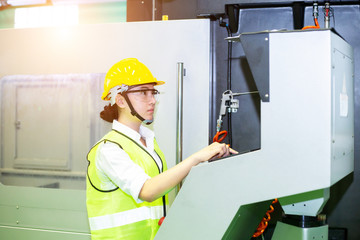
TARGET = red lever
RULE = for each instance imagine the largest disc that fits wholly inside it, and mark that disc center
(161, 221)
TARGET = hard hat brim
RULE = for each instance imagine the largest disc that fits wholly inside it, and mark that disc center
(105, 95)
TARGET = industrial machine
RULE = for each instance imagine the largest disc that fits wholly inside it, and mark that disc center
(307, 143)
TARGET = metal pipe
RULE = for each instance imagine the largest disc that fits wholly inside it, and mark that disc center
(229, 85)
(153, 9)
(179, 118)
(245, 93)
(327, 15)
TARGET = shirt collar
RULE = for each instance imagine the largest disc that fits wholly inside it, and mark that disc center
(145, 132)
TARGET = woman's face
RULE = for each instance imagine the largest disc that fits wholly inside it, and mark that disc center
(143, 99)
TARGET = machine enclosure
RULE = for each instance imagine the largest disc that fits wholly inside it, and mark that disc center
(307, 138)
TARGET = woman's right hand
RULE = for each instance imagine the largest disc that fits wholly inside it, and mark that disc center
(213, 151)
(157, 186)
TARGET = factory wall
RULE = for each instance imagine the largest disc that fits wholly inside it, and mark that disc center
(68, 64)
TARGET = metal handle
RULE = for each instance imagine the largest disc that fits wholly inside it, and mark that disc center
(153, 10)
(179, 118)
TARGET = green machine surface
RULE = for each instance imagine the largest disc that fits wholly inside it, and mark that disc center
(246, 220)
(285, 231)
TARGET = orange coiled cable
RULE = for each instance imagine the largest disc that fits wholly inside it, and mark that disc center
(265, 221)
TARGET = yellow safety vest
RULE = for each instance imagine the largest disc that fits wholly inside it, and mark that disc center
(113, 214)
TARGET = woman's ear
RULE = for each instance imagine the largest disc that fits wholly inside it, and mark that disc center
(120, 101)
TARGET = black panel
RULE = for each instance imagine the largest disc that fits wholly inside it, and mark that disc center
(245, 123)
(298, 15)
(218, 6)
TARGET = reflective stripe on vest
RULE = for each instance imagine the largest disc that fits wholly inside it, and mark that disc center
(126, 217)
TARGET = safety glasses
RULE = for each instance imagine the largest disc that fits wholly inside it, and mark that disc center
(145, 94)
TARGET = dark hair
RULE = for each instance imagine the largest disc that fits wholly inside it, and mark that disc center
(109, 113)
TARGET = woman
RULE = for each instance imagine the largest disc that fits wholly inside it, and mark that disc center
(128, 180)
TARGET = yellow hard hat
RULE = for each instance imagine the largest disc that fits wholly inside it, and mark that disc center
(128, 72)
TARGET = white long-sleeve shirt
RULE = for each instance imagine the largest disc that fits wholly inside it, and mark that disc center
(115, 167)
